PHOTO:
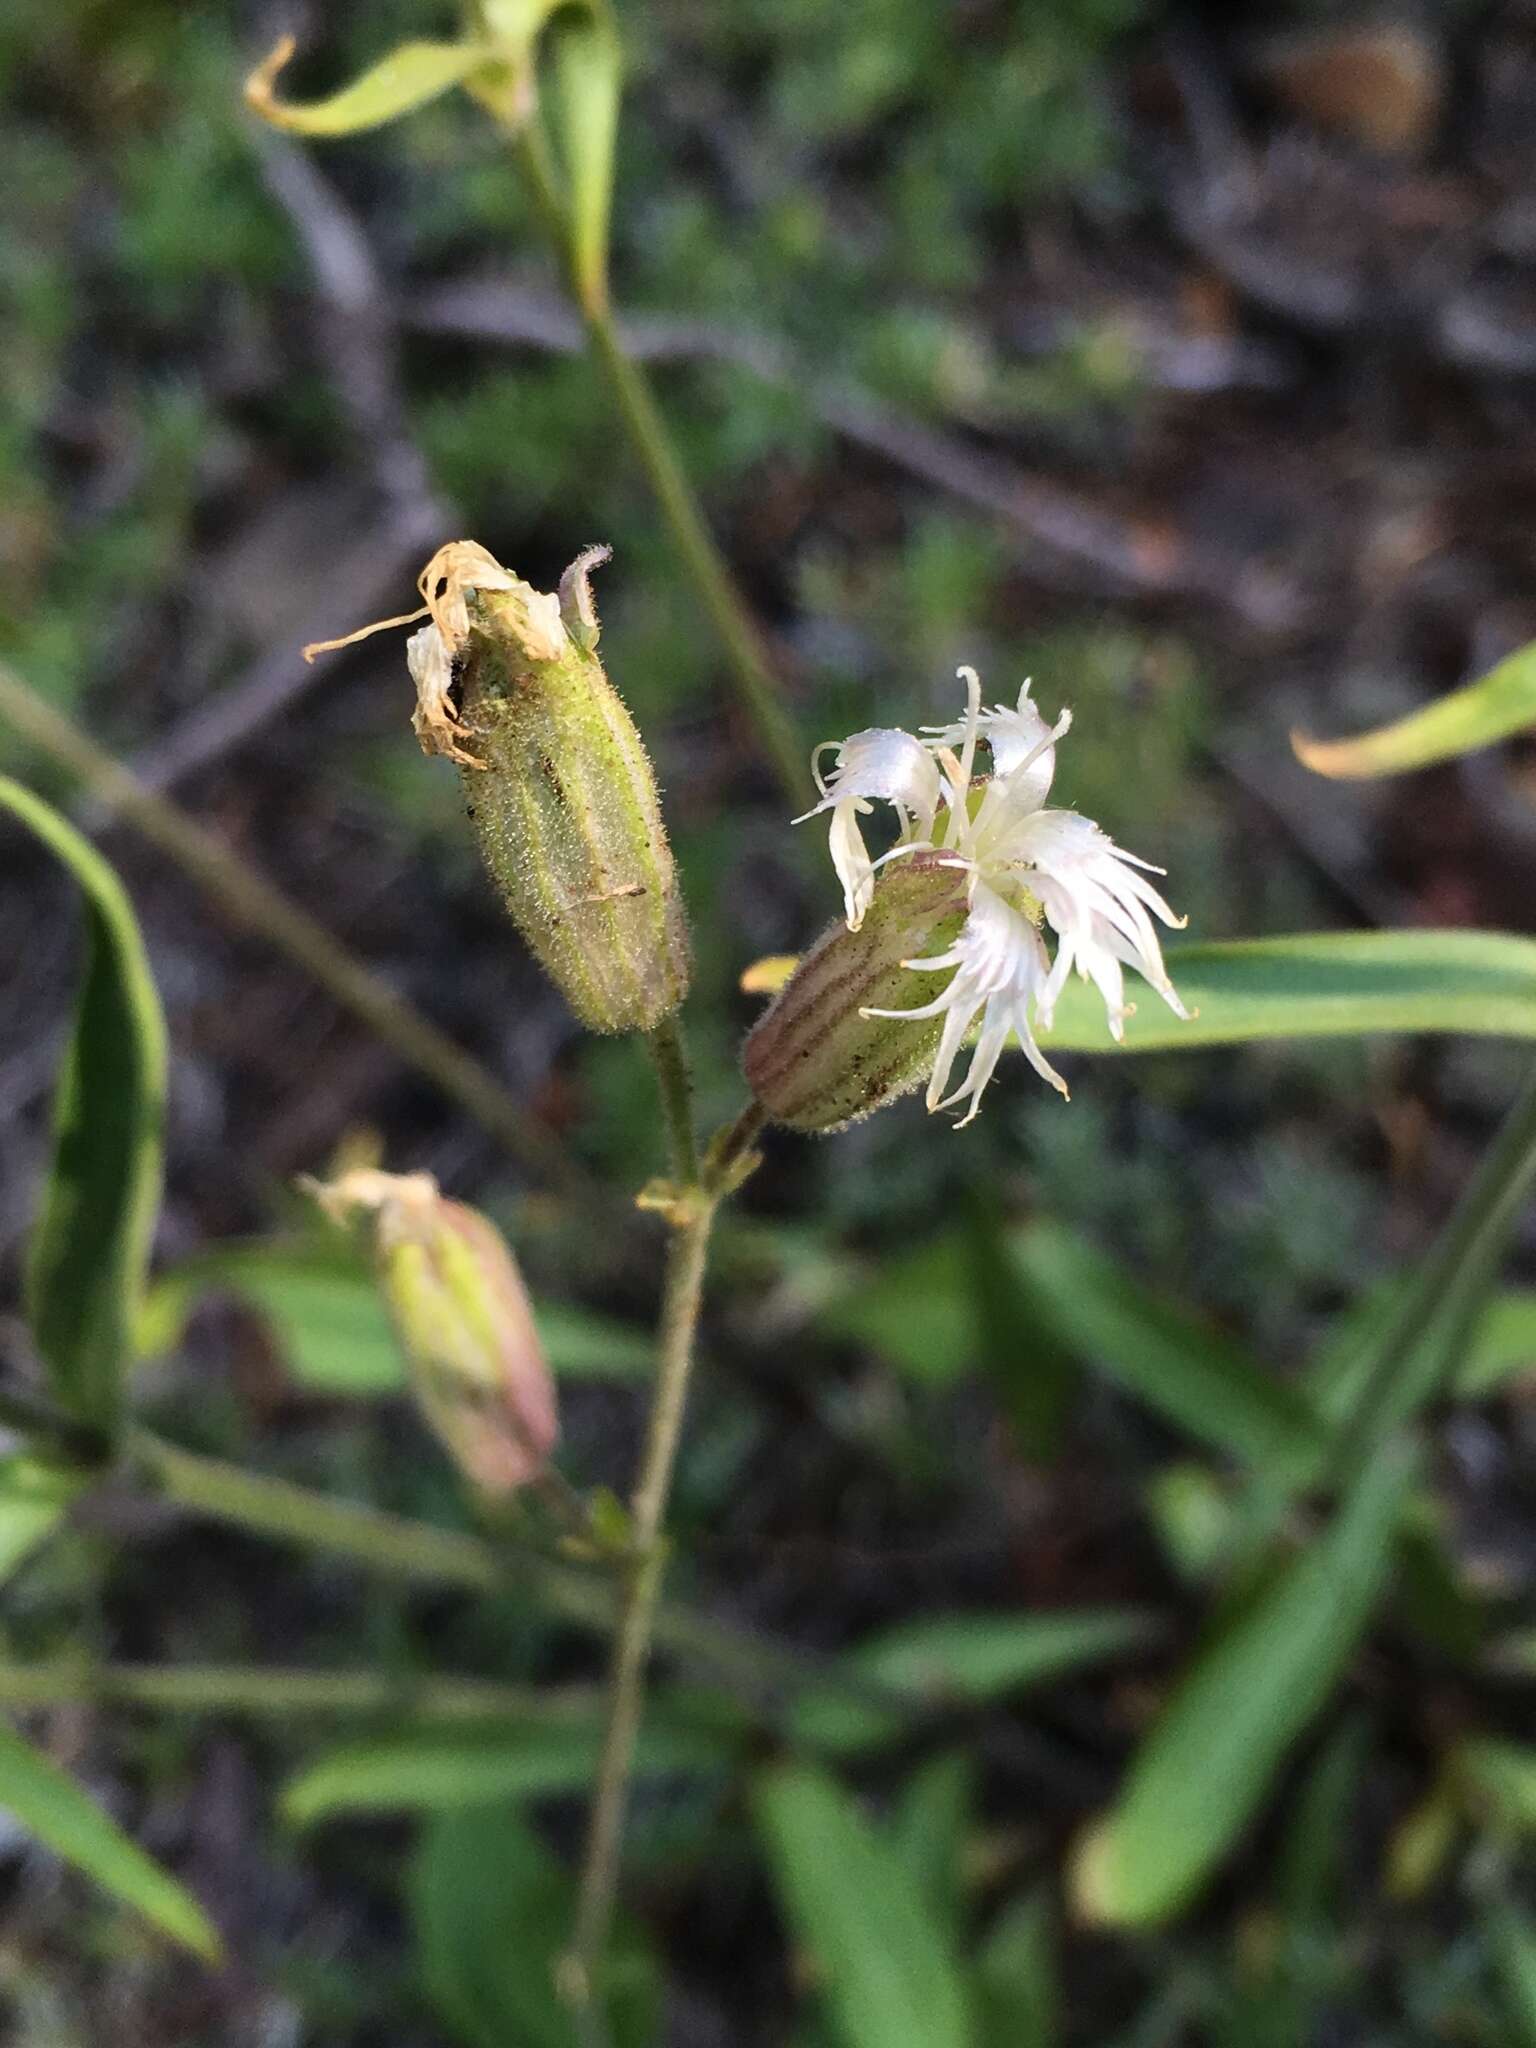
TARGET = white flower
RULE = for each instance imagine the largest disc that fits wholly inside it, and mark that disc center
(1000, 965)
(1027, 867)
(1021, 742)
(880, 763)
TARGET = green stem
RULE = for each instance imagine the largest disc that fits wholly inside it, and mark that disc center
(253, 901)
(675, 1084)
(693, 1217)
(748, 663)
(1444, 1291)
(424, 1555)
(637, 1619)
(237, 1689)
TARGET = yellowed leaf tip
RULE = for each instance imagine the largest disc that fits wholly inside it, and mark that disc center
(1334, 758)
(767, 976)
(1088, 1875)
(258, 87)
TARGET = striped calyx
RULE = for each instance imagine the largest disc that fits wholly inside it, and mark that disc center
(815, 1059)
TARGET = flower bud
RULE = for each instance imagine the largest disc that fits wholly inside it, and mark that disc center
(560, 789)
(566, 808)
(459, 1309)
(814, 1059)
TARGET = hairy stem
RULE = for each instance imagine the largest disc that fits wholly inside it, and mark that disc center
(701, 558)
(697, 1202)
(675, 1084)
(637, 1614)
(253, 901)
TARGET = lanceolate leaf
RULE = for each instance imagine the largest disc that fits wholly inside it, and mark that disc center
(1179, 1366)
(1211, 1758)
(1322, 985)
(1497, 704)
(404, 80)
(492, 1910)
(34, 1498)
(960, 1660)
(887, 1972)
(586, 66)
(86, 1266)
(52, 1806)
(431, 1770)
(1306, 985)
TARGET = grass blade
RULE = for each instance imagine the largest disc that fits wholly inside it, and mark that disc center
(1496, 705)
(86, 1265)
(50, 1805)
(1211, 1758)
(1322, 985)
(887, 1972)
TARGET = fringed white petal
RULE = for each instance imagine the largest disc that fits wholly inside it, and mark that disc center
(882, 763)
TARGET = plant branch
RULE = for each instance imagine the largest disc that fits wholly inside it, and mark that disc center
(240, 1689)
(1444, 1292)
(692, 1216)
(416, 1551)
(701, 558)
(254, 902)
(675, 1085)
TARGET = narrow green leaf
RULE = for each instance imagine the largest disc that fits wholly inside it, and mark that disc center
(34, 1498)
(86, 1265)
(586, 64)
(492, 1912)
(914, 1311)
(962, 1659)
(52, 1806)
(929, 1829)
(1016, 1979)
(1500, 1349)
(429, 1770)
(1422, 1840)
(1246, 1700)
(1415, 1357)
(1497, 1782)
(404, 80)
(1187, 1371)
(1322, 985)
(885, 1969)
(1512, 1941)
(1312, 1853)
(1496, 705)
(1195, 1517)
(1433, 1594)
(1033, 1374)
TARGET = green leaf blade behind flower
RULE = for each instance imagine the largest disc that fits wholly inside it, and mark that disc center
(1319, 985)
(90, 1249)
(1496, 705)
